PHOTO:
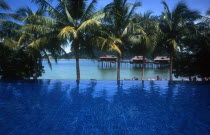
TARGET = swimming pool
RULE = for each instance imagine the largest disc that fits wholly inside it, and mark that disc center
(62, 107)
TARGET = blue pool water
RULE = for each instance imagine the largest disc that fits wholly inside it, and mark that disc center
(63, 107)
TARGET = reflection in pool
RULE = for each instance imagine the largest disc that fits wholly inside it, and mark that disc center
(63, 107)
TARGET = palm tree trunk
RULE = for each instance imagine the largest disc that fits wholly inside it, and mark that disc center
(118, 67)
(143, 67)
(35, 69)
(76, 52)
(171, 65)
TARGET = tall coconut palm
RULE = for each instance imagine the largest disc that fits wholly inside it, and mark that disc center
(37, 43)
(117, 24)
(144, 35)
(172, 24)
(73, 19)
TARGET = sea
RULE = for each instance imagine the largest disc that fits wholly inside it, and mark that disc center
(92, 69)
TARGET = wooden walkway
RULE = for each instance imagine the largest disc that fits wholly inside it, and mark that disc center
(130, 64)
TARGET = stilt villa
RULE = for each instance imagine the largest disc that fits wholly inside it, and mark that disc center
(107, 60)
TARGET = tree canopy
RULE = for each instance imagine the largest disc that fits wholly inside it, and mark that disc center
(28, 36)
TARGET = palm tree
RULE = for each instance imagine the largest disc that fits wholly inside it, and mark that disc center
(27, 36)
(173, 23)
(73, 19)
(31, 39)
(117, 25)
(37, 43)
(144, 35)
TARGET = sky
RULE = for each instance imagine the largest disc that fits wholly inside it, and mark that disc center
(147, 5)
(152, 5)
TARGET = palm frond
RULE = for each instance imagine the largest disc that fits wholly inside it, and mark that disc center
(167, 12)
(135, 5)
(38, 43)
(43, 3)
(150, 45)
(109, 44)
(89, 11)
(4, 5)
(21, 39)
(24, 12)
(71, 21)
(53, 12)
(9, 24)
(41, 12)
(68, 33)
(99, 15)
(173, 43)
(115, 40)
(8, 16)
(10, 29)
(10, 43)
(140, 32)
(48, 59)
(89, 25)
(114, 47)
(76, 8)
(42, 20)
(41, 29)
(128, 30)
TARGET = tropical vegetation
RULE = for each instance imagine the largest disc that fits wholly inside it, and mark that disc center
(74, 20)
(144, 35)
(27, 37)
(115, 29)
(173, 25)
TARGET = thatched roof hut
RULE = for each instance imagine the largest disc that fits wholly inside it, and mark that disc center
(138, 59)
(105, 57)
(162, 59)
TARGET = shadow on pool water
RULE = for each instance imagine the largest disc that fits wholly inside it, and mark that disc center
(63, 107)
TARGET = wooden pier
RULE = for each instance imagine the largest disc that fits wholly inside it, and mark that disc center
(110, 61)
